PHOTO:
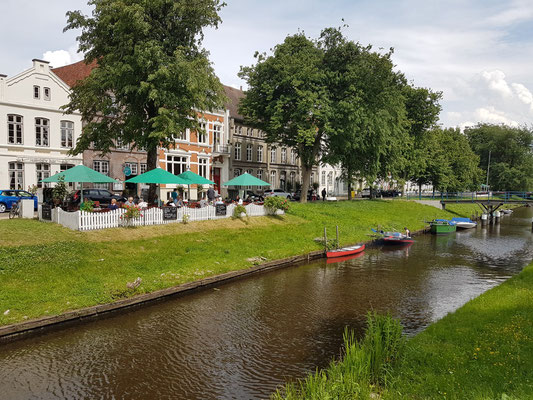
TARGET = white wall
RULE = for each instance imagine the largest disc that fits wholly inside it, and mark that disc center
(17, 97)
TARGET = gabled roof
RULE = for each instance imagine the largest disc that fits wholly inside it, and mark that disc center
(234, 96)
(72, 73)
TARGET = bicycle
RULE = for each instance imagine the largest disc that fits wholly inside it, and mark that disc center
(15, 210)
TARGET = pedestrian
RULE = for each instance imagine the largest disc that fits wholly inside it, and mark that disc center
(174, 195)
(407, 232)
(324, 192)
(210, 194)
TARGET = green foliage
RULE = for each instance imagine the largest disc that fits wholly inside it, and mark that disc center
(365, 364)
(32, 189)
(132, 212)
(511, 155)
(87, 205)
(239, 210)
(60, 191)
(151, 76)
(274, 203)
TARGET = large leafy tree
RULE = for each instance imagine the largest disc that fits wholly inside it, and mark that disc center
(367, 135)
(511, 155)
(289, 100)
(152, 74)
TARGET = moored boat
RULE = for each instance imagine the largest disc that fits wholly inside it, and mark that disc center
(345, 251)
(464, 223)
(507, 212)
(442, 226)
(402, 239)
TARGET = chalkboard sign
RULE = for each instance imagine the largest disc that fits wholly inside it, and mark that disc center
(220, 210)
(170, 213)
(46, 212)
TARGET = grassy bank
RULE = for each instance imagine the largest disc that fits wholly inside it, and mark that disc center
(46, 269)
(484, 350)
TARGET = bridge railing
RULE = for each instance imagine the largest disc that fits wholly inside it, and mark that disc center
(473, 196)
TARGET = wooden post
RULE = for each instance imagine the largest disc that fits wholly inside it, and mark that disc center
(337, 227)
(325, 240)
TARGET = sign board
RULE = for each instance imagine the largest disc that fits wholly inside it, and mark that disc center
(170, 213)
(46, 212)
(127, 170)
(220, 210)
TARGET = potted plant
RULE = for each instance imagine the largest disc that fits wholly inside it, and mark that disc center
(59, 192)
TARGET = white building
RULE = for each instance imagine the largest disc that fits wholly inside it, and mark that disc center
(330, 178)
(35, 134)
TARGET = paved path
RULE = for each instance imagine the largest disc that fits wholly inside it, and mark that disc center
(433, 203)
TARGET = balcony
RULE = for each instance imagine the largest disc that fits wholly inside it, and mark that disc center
(221, 150)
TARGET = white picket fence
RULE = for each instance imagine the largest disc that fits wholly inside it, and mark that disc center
(85, 221)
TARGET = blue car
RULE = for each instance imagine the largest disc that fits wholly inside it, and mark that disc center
(9, 197)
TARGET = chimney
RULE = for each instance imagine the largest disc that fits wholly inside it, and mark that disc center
(2, 86)
(41, 65)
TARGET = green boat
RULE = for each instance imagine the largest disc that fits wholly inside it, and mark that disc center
(442, 226)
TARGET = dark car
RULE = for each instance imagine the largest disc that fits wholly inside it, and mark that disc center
(251, 196)
(10, 197)
(103, 196)
(296, 196)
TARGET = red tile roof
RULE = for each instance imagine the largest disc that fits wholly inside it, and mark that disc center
(72, 73)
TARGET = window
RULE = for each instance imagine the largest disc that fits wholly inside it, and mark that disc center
(42, 130)
(323, 177)
(259, 153)
(283, 155)
(203, 135)
(260, 174)
(176, 164)
(237, 151)
(236, 172)
(43, 172)
(120, 145)
(217, 134)
(249, 150)
(133, 167)
(46, 93)
(238, 130)
(67, 133)
(249, 132)
(16, 175)
(330, 178)
(292, 179)
(312, 180)
(14, 129)
(182, 135)
(202, 167)
(273, 178)
(251, 172)
(282, 179)
(101, 166)
(64, 167)
(37, 92)
(293, 157)
(273, 155)
(144, 168)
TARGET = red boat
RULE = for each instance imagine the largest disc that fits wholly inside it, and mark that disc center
(346, 258)
(345, 251)
(397, 239)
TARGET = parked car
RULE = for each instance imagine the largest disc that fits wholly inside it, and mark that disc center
(296, 196)
(9, 197)
(277, 192)
(252, 196)
(103, 196)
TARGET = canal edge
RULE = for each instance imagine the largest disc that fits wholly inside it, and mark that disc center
(21, 330)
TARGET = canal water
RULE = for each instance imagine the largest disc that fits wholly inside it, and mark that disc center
(243, 339)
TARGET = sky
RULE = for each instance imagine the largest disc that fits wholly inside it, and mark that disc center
(479, 53)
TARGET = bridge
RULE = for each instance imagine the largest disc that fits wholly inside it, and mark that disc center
(489, 201)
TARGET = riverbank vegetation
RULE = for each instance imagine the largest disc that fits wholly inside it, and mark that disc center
(46, 269)
(484, 350)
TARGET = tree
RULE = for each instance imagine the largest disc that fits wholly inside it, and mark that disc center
(152, 72)
(287, 98)
(367, 129)
(511, 155)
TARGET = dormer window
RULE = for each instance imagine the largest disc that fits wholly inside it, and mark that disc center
(37, 92)
(46, 93)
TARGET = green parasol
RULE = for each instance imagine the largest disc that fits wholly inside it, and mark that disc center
(194, 179)
(159, 176)
(246, 180)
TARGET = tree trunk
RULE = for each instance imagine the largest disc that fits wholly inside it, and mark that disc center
(419, 190)
(349, 180)
(151, 163)
(306, 174)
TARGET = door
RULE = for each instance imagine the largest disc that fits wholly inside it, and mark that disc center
(216, 179)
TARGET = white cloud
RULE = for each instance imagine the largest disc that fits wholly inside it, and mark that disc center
(523, 94)
(58, 58)
(491, 115)
(496, 82)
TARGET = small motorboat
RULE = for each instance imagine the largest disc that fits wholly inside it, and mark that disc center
(507, 212)
(398, 239)
(345, 258)
(442, 226)
(464, 223)
(345, 251)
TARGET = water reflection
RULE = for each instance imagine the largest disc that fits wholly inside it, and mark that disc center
(243, 339)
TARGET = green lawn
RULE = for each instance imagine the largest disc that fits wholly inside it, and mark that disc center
(46, 269)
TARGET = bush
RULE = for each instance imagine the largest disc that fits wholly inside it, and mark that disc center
(274, 203)
(87, 206)
(237, 212)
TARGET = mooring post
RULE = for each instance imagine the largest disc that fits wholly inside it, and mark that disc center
(337, 228)
(325, 240)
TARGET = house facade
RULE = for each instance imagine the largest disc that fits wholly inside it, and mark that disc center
(35, 134)
(273, 163)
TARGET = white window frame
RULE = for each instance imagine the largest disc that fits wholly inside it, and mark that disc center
(260, 174)
(177, 163)
(47, 94)
(42, 132)
(15, 129)
(16, 175)
(273, 179)
(202, 134)
(36, 92)
(217, 134)
(144, 168)
(101, 166)
(323, 177)
(284, 155)
(67, 133)
(273, 155)
(134, 167)
(237, 152)
(259, 153)
(43, 172)
(183, 136)
(249, 152)
(203, 167)
(293, 157)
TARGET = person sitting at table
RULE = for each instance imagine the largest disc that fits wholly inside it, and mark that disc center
(238, 200)
(129, 203)
(180, 202)
(170, 203)
(219, 200)
(113, 205)
(142, 203)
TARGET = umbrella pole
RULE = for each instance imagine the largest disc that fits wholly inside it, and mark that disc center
(189, 194)
(81, 191)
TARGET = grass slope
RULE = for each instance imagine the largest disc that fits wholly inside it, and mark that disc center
(46, 269)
